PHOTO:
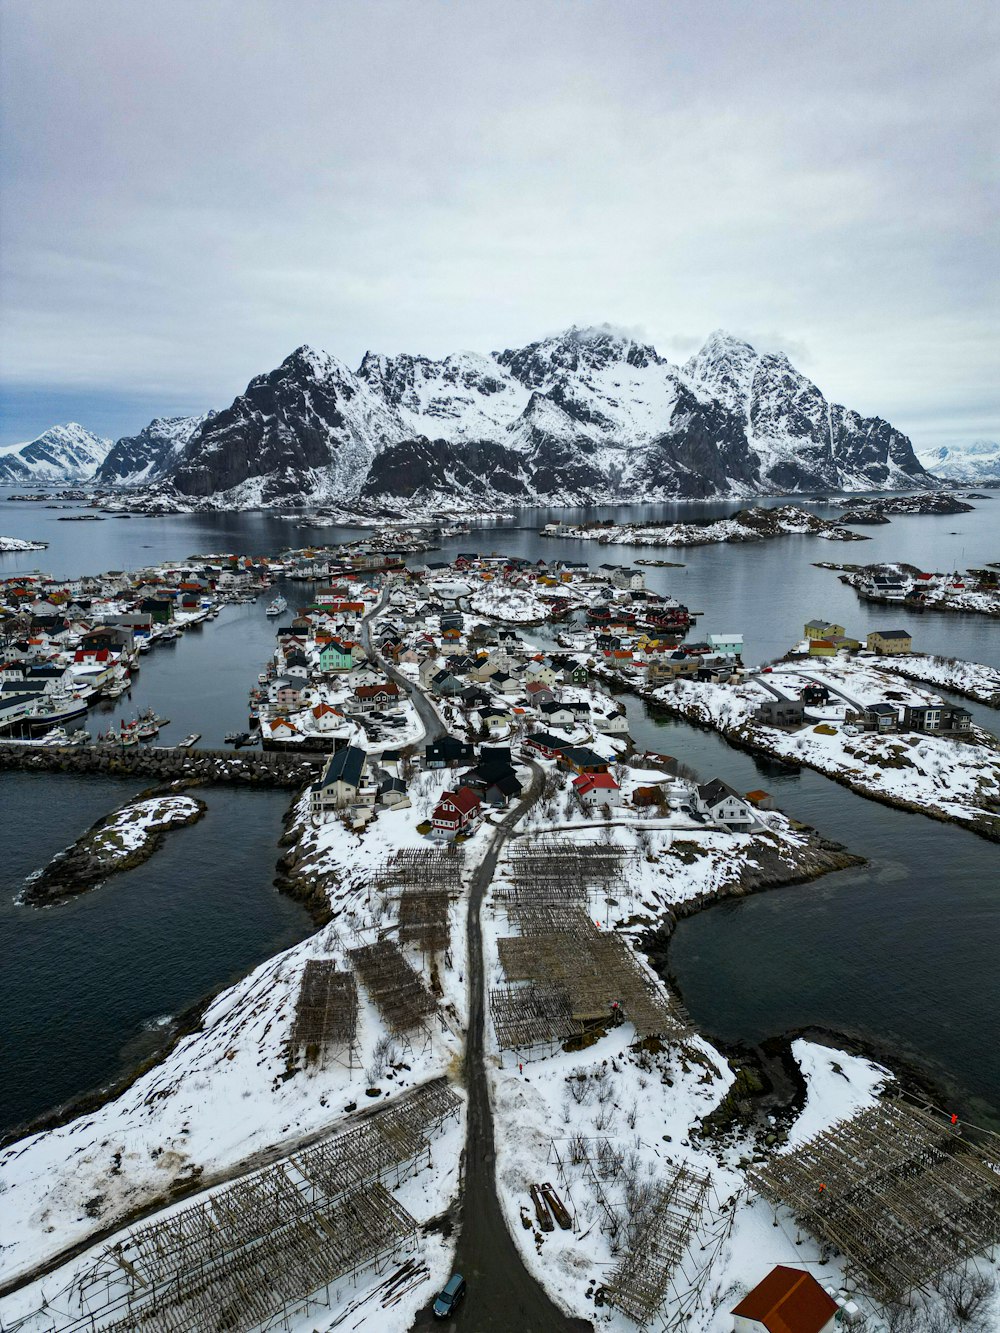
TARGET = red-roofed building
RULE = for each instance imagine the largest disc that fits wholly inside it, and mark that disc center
(455, 811)
(787, 1301)
(597, 789)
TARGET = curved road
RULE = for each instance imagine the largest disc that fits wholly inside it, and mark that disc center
(434, 728)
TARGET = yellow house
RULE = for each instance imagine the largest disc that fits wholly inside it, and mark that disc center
(890, 641)
(822, 648)
(822, 629)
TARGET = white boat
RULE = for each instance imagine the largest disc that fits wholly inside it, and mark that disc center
(277, 606)
(53, 710)
(129, 734)
(147, 724)
(188, 741)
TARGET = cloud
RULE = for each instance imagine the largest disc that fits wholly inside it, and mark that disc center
(189, 193)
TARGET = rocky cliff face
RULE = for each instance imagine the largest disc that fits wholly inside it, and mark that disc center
(801, 440)
(151, 455)
(62, 453)
(588, 415)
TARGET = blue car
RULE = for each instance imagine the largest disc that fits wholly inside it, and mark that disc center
(449, 1296)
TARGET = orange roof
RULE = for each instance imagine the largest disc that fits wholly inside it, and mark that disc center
(788, 1301)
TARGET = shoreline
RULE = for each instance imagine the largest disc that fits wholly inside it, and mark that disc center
(740, 741)
(84, 865)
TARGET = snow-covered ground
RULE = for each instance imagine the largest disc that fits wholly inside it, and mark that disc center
(971, 679)
(608, 1124)
(19, 544)
(765, 523)
(224, 1093)
(954, 779)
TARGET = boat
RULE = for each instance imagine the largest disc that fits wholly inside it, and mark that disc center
(188, 741)
(80, 737)
(240, 738)
(169, 635)
(128, 734)
(147, 725)
(53, 710)
(277, 606)
(143, 645)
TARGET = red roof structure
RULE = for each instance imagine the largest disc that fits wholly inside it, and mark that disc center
(788, 1301)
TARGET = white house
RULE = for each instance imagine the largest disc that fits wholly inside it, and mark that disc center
(718, 801)
(341, 783)
(597, 789)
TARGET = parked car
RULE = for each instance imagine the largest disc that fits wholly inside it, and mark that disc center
(449, 1297)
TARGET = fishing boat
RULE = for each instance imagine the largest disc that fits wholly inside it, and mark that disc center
(277, 606)
(53, 710)
(128, 734)
(147, 725)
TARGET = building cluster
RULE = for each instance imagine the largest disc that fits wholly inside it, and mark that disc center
(502, 704)
(64, 643)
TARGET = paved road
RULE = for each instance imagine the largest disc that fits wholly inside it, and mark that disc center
(434, 728)
(503, 1296)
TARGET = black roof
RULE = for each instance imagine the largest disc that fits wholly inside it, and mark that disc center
(344, 765)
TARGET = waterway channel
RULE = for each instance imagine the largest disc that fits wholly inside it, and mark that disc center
(901, 952)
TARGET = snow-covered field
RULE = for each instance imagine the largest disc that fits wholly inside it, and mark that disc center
(971, 679)
(224, 1093)
(609, 1124)
(954, 779)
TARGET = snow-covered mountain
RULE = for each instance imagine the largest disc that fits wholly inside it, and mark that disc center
(585, 415)
(152, 454)
(968, 463)
(801, 439)
(62, 453)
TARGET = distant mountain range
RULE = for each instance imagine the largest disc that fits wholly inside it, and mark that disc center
(978, 462)
(587, 416)
(62, 453)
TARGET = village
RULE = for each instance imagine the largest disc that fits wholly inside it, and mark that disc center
(481, 837)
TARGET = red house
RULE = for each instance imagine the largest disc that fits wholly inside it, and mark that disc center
(455, 811)
(787, 1301)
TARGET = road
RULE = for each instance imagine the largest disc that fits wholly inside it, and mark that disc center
(434, 728)
(503, 1296)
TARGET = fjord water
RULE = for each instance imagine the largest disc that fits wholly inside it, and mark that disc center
(901, 952)
(88, 985)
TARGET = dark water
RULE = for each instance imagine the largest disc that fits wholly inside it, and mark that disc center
(902, 951)
(85, 984)
(201, 680)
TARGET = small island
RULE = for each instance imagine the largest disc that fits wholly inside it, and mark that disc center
(875, 510)
(10, 544)
(120, 841)
(746, 525)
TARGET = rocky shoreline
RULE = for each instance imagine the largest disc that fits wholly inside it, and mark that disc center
(119, 841)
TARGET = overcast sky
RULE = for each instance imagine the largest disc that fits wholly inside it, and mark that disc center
(191, 190)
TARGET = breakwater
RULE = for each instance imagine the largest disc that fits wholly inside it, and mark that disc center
(165, 764)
